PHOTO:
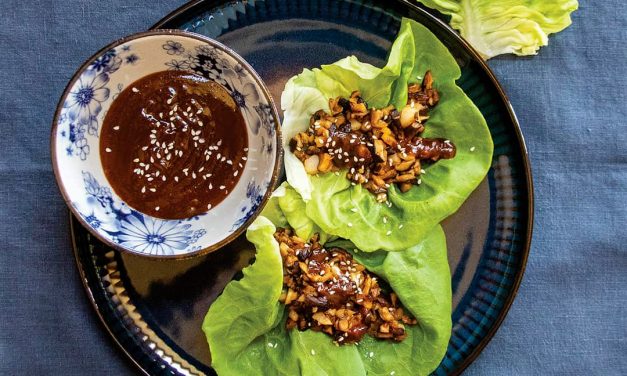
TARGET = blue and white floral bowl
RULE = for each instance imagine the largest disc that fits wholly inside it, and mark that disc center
(76, 157)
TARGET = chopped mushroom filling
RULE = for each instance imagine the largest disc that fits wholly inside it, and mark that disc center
(326, 290)
(379, 147)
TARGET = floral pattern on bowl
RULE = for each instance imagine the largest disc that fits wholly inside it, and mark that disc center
(75, 144)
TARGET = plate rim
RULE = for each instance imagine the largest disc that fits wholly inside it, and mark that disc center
(526, 164)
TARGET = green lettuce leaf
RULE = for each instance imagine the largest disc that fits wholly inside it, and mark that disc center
(272, 210)
(248, 310)
(287, 209)
(495, 27)
(293, 207)
(245, 326)
(351, 212)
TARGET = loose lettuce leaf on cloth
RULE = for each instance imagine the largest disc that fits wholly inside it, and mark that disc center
(352, 212)
(496, 27)
(245, 326)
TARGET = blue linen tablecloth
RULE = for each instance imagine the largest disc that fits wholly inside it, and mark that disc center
(570, 316)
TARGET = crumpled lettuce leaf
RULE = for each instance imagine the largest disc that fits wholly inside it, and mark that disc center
(245, 326)
(272, 210)
(495, 27)
(331, 200)
(286, 208)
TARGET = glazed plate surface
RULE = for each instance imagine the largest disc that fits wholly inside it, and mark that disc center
(154, 309)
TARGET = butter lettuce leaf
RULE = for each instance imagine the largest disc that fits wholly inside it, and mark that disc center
(245, 326)
(352, 212)
(272, 210)
(286, 208)
(495, 27)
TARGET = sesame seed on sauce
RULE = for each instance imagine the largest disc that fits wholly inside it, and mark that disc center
(169, 160)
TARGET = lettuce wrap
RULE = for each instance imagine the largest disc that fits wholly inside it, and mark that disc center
(245, 326)
(352, 212)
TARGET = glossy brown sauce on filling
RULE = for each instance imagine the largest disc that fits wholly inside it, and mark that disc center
(327, 290)
(173, 144)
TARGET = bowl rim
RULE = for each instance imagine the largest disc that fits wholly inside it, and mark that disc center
(183, 34)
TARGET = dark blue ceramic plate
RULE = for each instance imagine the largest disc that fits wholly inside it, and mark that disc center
(154, 309)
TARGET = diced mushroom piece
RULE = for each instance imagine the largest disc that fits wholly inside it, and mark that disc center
(405, 165)
(361, 151)
(414, 88)
(334, 106)
(355, 125)
(340, 120)
(389, 174)
(385, 314)
(394, 159)
(379, 150)
(325, 163)
(375, 116)
(388, 138)
(291, 295)
(366, 286)
(417, 167)
(322, 319)
(326, 123)
(408, 116)
(406, 178)
(405, 187)
(320, 141)
(343, 325)
(378, 181)
(296, 143)
(293, 315)
(358, 107)
(283, 249)
(384, 328)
